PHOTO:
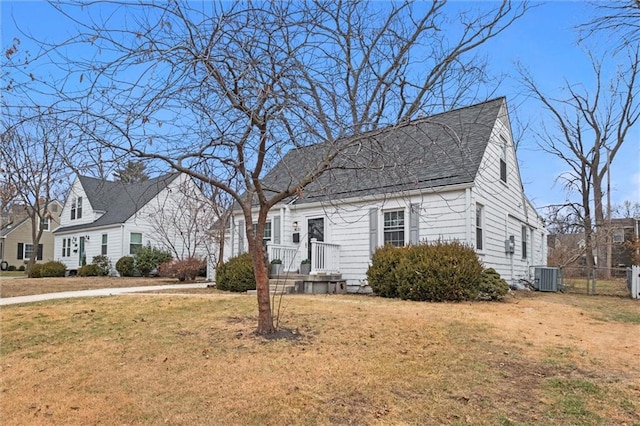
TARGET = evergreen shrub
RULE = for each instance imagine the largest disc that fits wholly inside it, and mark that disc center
(102, 263)
(91, 270)
(125, 266)
(492, 286)
(440, 271)
(148, 258)
(236, 274)
(48, 269)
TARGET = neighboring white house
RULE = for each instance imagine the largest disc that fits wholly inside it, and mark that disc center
(451, 176)
(102, 217)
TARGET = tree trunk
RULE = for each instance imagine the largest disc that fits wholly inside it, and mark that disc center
(602, 231)
(265, 318)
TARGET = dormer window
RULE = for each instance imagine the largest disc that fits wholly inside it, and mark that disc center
(76, 208)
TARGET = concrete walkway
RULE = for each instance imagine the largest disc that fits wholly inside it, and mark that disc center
(93, 293)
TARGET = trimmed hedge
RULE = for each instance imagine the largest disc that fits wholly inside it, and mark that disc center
(91, 270)
(435, 272)
(236, 274)
(48, 269)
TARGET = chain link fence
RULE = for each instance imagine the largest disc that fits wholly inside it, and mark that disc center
(613, 282)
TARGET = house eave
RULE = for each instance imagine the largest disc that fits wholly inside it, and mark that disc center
(369, 198)
(74, 230)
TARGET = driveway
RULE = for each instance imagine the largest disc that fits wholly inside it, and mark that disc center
(93, 293)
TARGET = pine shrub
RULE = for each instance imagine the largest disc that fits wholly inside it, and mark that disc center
(125, 266)
(236, 274)
(381, 273)
(102, 263)
(492, 286)
(35, 271)
(91, 270)
(148, 258)
(435, 272)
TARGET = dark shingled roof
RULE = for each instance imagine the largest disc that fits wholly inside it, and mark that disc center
(119, 201)
(443, 149)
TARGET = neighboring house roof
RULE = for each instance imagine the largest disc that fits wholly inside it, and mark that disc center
(119, 201)
(9, 229)
(17, 217)
(440, 150)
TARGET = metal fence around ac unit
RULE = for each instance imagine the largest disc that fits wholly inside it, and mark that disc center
(601, 281)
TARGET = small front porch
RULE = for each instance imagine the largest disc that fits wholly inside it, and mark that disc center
(325, 258)
(318, 275)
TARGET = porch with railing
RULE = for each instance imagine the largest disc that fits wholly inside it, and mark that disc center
(287, 254)
(325, 257)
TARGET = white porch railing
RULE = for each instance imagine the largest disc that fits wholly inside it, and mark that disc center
(287, 254)
(325, 257)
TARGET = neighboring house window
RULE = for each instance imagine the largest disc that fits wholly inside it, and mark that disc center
(524, 242)
(76, 208)
(503, 160)
(44, 223)
(135, 242)
(103, 250)
(28, 251)
(394, 227)
(25, 251)
(479, 227)
(79, 208)
(66, 247)
(618, 236)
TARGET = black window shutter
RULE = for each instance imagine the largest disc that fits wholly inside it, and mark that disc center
(39, 256)
(20, 251)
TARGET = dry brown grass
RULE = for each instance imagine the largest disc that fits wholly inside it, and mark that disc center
(175, 359)
(11, 287)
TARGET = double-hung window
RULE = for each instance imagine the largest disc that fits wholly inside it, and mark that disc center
(394, 227)
(26, 252)
(266, 236)
(103, 248)
(66, 247)
(135, 242)
(524, 242)
(76, 208)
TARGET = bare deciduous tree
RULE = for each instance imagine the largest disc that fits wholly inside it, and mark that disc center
(619, 18)
(590, 128)
(182, 222)
(233, 87)
(33, 164)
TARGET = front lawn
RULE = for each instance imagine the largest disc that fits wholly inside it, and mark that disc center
(176, 359)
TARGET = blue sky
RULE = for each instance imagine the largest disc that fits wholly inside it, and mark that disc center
(544, 41)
